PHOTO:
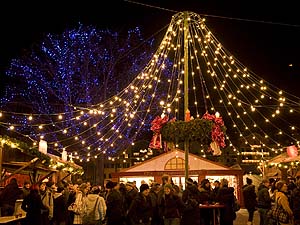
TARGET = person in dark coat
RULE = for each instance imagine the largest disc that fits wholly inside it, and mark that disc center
(32, 205)
(123, 190)
(26, 189)
(250, 200)
(226, 197)
(130, 195)
(154, 202)
(114, 202)
(206, 197)
(264, 201)
(170, 206)
(9, 196)
(216, 188)
(59, 207)
(165, 179)
(295, 203)
(140, 211)
(191, 200)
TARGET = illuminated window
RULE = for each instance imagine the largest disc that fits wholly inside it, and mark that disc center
(175, 163)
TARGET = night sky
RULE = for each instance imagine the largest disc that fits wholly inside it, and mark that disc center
(264, 37)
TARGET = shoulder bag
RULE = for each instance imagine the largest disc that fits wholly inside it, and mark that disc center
(277, 213)
(89, 217)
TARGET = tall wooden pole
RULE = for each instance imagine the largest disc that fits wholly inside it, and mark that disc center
(1, 158)
(186, 90)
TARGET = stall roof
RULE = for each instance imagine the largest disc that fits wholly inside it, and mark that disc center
(158, 163)
(284, 157)
(13, 166)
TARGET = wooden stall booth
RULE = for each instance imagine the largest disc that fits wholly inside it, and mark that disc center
(29, 164)
(172, 163)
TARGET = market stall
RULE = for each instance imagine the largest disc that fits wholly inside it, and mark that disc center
(24, 163)
(172, 163)
(282, 166)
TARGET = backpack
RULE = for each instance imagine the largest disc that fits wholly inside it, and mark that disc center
(89, 217)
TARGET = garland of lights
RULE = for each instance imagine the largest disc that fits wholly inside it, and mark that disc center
(68, 167)
(285, 165)
(23, 147)
(251, 104)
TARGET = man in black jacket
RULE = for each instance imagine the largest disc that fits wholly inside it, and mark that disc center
(264, 201)
(250, 200)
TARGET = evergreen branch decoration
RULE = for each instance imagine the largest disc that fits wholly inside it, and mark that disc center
(195, 130)
(23, 147)
(209, 131)
(34, 152)
(67, 167)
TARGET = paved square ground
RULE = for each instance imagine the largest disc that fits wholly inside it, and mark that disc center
(242, 217)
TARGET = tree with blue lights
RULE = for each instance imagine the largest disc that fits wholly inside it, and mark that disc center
(61, 78)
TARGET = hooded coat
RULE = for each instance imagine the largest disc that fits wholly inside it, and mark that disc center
(264, 199)
(96, 203)
(249, 196)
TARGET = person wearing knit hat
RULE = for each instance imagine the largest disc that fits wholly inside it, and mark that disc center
(131, 193)
(189, 181)
(110, 184)
(144, 187)
(115, 204)
(26, 189)
(140, 211)
(47, 199)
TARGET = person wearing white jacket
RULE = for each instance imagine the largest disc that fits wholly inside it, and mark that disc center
(95, 205)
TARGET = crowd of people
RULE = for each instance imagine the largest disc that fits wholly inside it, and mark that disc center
(267, 194)
(164, 203)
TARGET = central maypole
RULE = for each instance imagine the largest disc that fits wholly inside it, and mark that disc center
(186, 90)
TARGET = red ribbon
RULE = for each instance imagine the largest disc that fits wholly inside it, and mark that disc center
(156, 125)
(217, 134)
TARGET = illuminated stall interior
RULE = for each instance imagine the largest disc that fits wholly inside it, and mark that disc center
(172, 163)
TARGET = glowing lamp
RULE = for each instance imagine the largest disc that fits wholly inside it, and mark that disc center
(292, 151)
(64, 155)
(43, 146)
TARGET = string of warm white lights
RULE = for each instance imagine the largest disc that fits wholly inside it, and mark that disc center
(222, 83)
(249, 105)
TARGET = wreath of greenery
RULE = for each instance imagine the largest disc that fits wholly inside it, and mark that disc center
(194, 130)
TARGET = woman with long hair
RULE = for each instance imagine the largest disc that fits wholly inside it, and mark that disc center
(282, 199)
(79, 203)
